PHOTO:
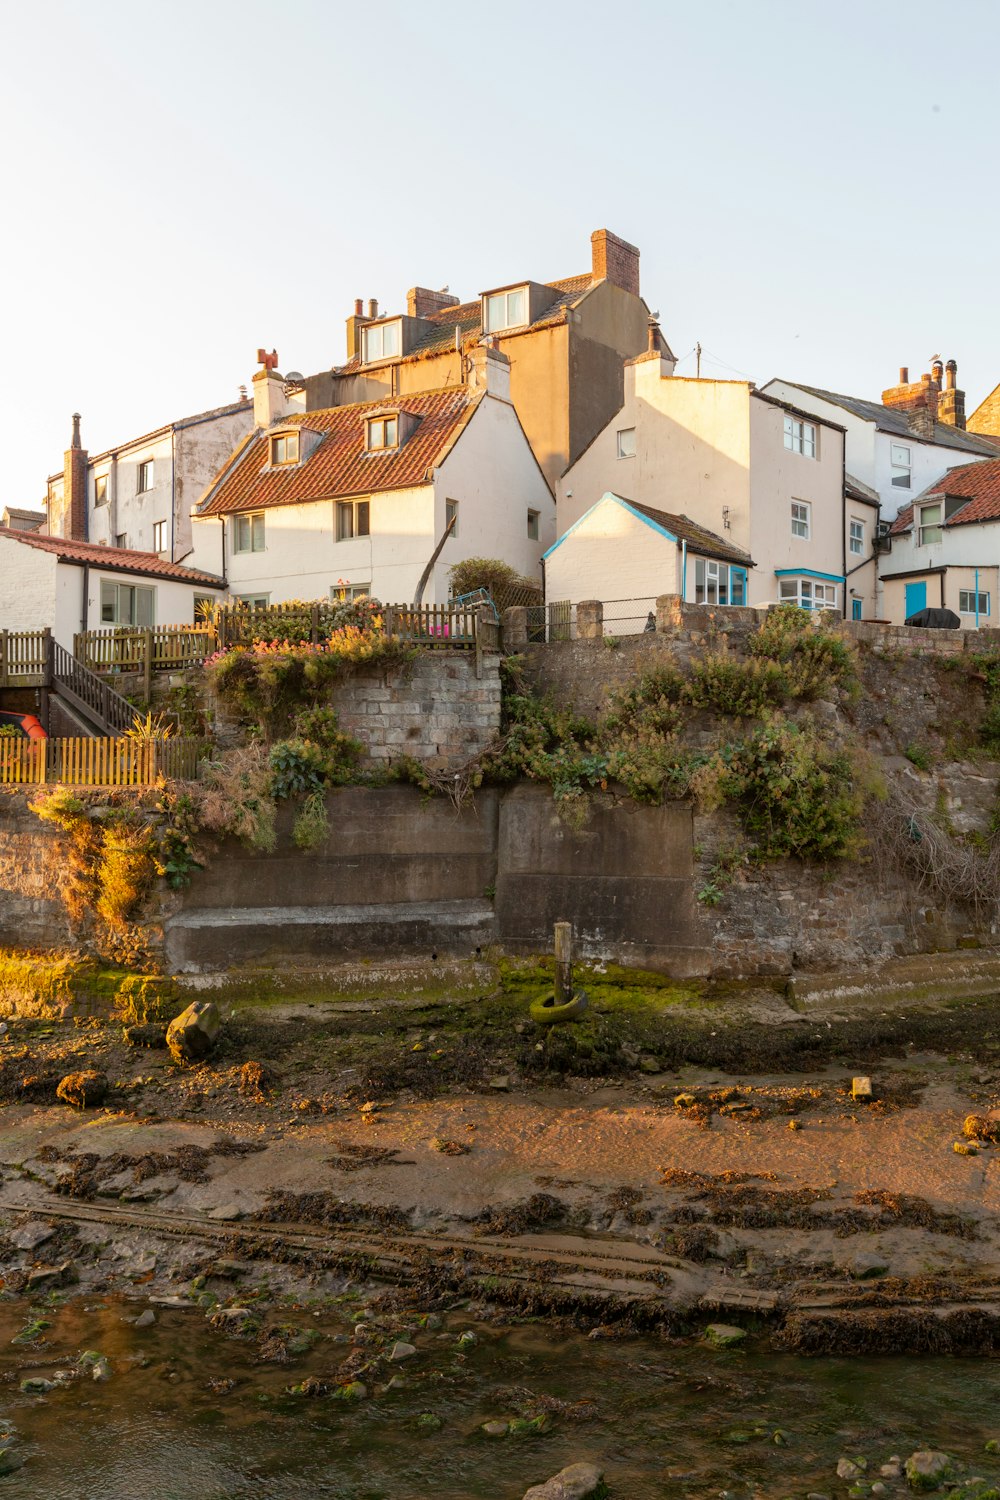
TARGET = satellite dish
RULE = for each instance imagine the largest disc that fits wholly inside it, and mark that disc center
(294, 376)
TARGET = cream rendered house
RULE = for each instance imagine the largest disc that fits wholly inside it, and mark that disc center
(944, 549)
(354, 499)
(763, 476)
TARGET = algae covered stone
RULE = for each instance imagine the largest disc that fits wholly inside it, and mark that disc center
(927, 1469)
(724, 1335)
(192, 1035)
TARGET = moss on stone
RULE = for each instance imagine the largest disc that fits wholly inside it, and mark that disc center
(54, 984)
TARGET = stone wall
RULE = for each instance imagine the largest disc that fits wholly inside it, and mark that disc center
(439, 711)
(32, 877)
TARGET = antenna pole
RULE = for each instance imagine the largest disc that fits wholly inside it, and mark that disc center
(697, 361)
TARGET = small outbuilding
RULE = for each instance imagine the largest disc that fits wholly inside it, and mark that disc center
(626, 555)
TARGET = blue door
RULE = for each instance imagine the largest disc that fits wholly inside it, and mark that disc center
(855, 609)
(916, 598)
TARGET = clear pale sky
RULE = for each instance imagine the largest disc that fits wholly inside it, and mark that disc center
(813, 187)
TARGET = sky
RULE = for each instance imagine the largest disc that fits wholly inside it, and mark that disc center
(812, 187)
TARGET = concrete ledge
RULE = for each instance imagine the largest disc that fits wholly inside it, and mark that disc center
(213, 939)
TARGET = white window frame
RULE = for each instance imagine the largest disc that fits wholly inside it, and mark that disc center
(289, 444)
(857, 536)
(249, 532)
(145, 476)
(967, 603)
(803, 520)
(128, 604)
(534, 525)
(253, 601)
(901, 467)
(343, 593)
(159, 536)
(451, 508)
(500, 312)
(377, 336)
(713, 582)
(800, 437)
(809, 593)
(929, 532)
(378, 432)
(626, 442)
(100, 494)
(348, 518)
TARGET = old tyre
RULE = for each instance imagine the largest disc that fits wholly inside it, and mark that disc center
(546, 1012)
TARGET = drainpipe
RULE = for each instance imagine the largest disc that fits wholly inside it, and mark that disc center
(684, 570)
(86, 590)
(843, 512)
(977, 598)
(173, 485)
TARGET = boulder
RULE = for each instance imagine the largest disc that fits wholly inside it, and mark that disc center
(30, 1236)
(192, 1035)
(927, 1469)
(402, 1351)
(83, 1090)
(724, 1335)
(150, 1035)
(865, 1264)
(577, 1482)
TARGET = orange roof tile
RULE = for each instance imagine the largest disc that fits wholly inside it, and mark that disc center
(978, 483)
(340, 466)
(116, 559)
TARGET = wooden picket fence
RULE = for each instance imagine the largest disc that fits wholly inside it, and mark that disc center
(105, 762)
(127, 649)
(24, 658)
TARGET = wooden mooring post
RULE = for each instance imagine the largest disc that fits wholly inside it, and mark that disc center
(564, 962)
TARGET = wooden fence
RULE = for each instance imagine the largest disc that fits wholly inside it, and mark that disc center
(124, 649)
(24, 658)
(99, 762)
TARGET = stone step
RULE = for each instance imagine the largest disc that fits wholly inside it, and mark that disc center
(217, 938)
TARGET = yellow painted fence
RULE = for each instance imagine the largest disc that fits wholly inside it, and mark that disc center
(98, 762)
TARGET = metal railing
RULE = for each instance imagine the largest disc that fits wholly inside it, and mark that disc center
(101, 762)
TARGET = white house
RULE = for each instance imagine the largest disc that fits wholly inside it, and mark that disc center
(899, 445)
(619, 550)
(944, 548)
(355, 499)
(138, 496)
(70, 586)
(761, 474)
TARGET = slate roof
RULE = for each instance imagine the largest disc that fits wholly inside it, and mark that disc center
(978, 483)
(114, 559)
(706, 542)
(890, 419)
(468, 317)
(34, 518)
(340, 466)
(182, 422)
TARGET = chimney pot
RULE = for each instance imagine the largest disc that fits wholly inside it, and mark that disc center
(938, 370)
(951, 371)
(359, 307)
(373, 308)
(904, 374)
(76, 430)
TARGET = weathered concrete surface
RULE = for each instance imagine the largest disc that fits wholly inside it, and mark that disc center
(625, 881)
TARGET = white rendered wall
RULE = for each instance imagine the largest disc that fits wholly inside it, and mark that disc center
(614, 555)
(27, 587)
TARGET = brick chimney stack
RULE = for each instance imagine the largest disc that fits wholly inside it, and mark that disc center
(951, 402)
(421, 303)
(614, 260)
(355, 323)
(73, 521)
(916, 396)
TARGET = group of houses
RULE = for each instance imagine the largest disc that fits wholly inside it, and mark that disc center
(541, 424)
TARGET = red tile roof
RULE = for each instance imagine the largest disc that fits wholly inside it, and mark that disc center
(340, 466)
(978, 483)
(115, 559)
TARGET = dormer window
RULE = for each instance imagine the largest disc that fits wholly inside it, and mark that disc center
(505, 310)
(381, 341)
(284, 449)
(383, 432)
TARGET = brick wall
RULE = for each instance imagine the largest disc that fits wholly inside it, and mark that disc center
(614, 260)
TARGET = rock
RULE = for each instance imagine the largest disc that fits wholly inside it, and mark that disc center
(577, 1482)
(684, 1101)
(992, 1446)
(354, 1390)
(466, 1340)
(192, 1035)
(926, 1469)
(429, 1421)
(965, 1148)
(83, 1090)
(864, 1265)
(146, 1319)
(502, 1084)
(150, 1035)
(229, 1317)
(226, 1212)
(848, 1469)
(526, 1426)
(397, 1383)
(879, 1489)
(723, 1335)
(795, 1124)
(892, 1470)
(93, 1362)
(37, 1385)
(32, 1235)
(51, 1276)
(649, 1064)
(861, 1088)
(494, 1429)
(401, 1351)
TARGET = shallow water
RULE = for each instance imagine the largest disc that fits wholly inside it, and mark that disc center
(665, 1424)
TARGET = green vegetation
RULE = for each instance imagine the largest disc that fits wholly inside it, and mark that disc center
(504, 584)
(919, 756)
(47, 983)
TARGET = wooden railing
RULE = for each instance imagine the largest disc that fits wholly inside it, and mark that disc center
(99, 762)
(87, 693)
(24, 658)
(163, 647)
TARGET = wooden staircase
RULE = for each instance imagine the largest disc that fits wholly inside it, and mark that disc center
(99, 707)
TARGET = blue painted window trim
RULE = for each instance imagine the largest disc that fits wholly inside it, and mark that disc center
(808, 573)
(855, 609)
